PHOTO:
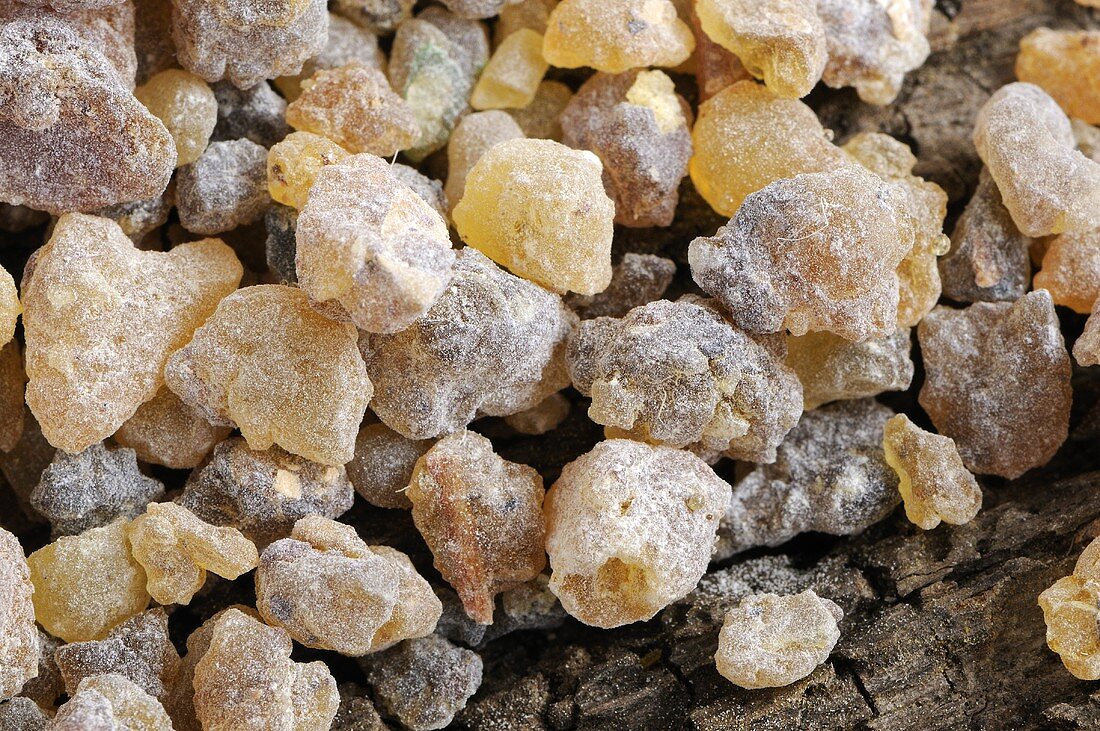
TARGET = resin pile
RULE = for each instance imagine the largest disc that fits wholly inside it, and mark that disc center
(284, 280)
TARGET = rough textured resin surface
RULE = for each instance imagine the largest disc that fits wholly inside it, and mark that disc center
(616, 35)
(253, 114)
(267, 363)
(539, 119)
(543, 417)
(481, 516)
(1071, 270)
(186, 106)
(108, 702)
(832, 368)
(469, 36)
(477, 8)
(425, 682)
(23, 714)
(168, 432)
(245, 42)
(1027, 143)
(224, 188)
(176, 549)
(813, 252)
(492, 344)
(346, 43)
(830, 476)
(378, 16)
(513, 74)
(630, 529)
(997, 381)
(18, 635)
(9, 306)
(873, 44)
(636, 280)
(471, 139)
(383, 464)
(531, 14)
(101, 319)
(1066, 64)
(246, 680)
(1087, 348)
(768, 641)
(263, 493)
(332, 591)
(84, 585)
(933, 482)
(781, 41)
(1070, 615)
(715, 67)
(678, 373)
(369, 245)
(92, 488)
(293, 164)
(639, 127)
(539, 209)
(355, 107)
(746, 137)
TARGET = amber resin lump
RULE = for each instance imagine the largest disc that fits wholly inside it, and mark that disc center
(1066, 64)
(246, 681)
(186, 106)
(176, 549)
(332, 591)
(383, 464)
(780, 41)
(1069, 610)
(346, 43)
(370, 246)
(293, 165)
(481, 516)
(539, 209)
(616, 35)
(491, 344)
(998, 382)
(75, 138)
(832, 368)
(769, 641)
(1071, 270)
(630, 529)
(1087, 348)
(1027, 143)
(747, 137)
(475, 135)
(18, 634)
(355, 107)
(813, 252)
(168, 432)
(101, 319)
(246, 42)
(226, 187)
(9, 307)
(934, 483)
(639, 127)
(267, 363)
(511, 78)
(84, 585)
(108, 702)
(678, 373)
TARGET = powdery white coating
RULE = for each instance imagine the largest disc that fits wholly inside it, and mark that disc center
(832, 368)
(512, 76)
(830, 476)
(332, 591)
(92, 488)
(636, 280)
(18, 633)
(383, 464)
(256, 114)
(111, 702)
(246, 42)
(988, 260)
(370, 246)
(186, 106)
(380, 17)
(933, 482)
(168, 432)
(430, 190)
(481, 516)
(267, 363)
(1071, 270)
(616, 35)
(139, 649)
(874, 43)
(477, 8)
(1027, 143)
(263, 493)
(23, 714)
(69, 6)
(1069, 610)
(638, 126)
(543, 417)
(492, 344)
(997, 381)
(425, 682)
(101, 319)
(539, 209)
(84, 585)
(354, 106)
(246, 681)
(9, 306)
(475, 135)
(1066, 64)
(540, 118)
(469, 37)
(75, 138)
(746, 137)
(782, 41)
(1087, 138)
(678, 373)
(224, 188)
(814, 252)
(176, 549)
(630, 529)
(768, 641)
(346, 43)
(137, 219)
(1087, 348)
